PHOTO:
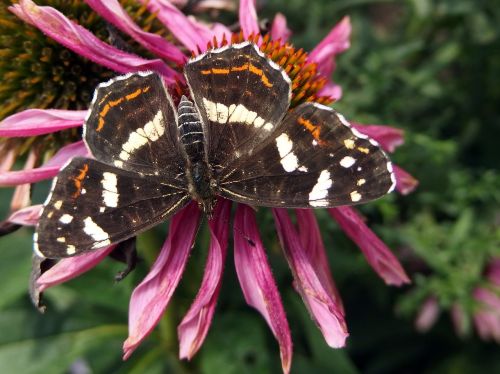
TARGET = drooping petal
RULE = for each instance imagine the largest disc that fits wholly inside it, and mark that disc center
(279, 29)
(112, 11)
(47, 170)
(8, 159)
(189, 32)
(22, 193)
(320, 301)
(257, 282)
(80, 40)
(249, 22)
(71, 267)
(427, 315)
(335, 42)
(33, 122)
(405, 182)
(310, 238)
(26, 216)
(194, 326)
(376, 252)
(152, 295)
(388, 137)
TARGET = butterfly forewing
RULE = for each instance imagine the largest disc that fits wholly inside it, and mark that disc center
(241, 95)
(132, 125)
(93, 205)
(315, 159)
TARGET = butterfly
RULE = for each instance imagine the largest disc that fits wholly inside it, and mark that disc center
(235, 137)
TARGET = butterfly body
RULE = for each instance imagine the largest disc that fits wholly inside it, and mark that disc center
(199, 175)
(236, 137)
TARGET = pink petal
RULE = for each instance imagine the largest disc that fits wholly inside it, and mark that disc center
(320, 301)
(80, 40)
(33, 122)
(8, 159)
(220, 32)
(71, 267)
(331, 89)
(26, 216)
(22, 193)
(310, 238)
(388, 137)
(405, 183)
(112, 11)
(194, 327)
(427, 315)
(188, 31)
(257, 282)
(487, 318)
(151, 297)
(376, 252)
(493, 272)
(335, 42)
(279, 29)
(47, 170)
(249, 22)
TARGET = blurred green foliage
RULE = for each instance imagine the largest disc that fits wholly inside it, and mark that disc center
(430, 67)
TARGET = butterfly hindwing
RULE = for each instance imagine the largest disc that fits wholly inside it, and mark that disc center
(93, 205)
(132, 125)
(315, 159)
(241, 95)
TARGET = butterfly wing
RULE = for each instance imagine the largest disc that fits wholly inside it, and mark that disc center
(132, 125)
(93, 205)
(241, 96)
(314, 159)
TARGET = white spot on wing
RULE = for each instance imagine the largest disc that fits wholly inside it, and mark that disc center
(288, 159)
(109, 192)
(66, 218)
(151, 131)
(211, 109)
(222, 114)
(61, 239)
(355, 196)
(320, 189)
(58, 204)
(96, 232)
(349, 143)
(347, 162)
(70, 249)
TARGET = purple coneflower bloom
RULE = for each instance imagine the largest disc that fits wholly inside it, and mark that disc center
(301, 243)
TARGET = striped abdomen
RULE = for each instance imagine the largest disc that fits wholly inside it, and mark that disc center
(198, 173)
(191, 131)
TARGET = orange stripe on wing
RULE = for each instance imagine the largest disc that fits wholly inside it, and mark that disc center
(112, 103)
(79, 179)
(246, 66)
(315, 130)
